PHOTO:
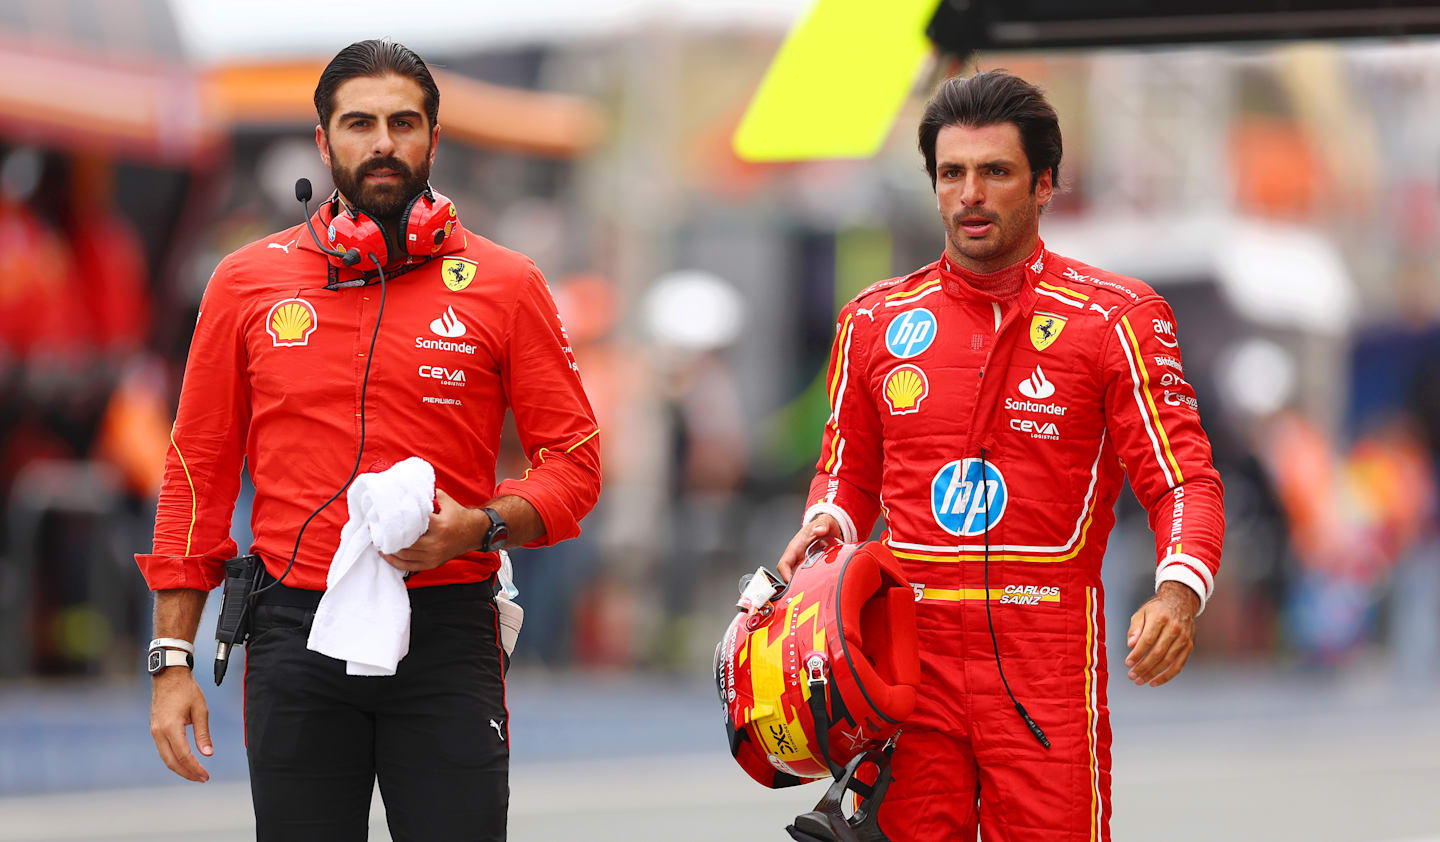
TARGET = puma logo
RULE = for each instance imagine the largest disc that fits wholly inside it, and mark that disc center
(496, 726)
(285, 247)
(1102, 311)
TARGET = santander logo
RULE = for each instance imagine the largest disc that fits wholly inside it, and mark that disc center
(1036, 386)
(448, 325)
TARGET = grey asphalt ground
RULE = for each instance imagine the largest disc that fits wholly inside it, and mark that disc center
(1226, 753)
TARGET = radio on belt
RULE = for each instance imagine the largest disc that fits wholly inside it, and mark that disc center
(242, 573)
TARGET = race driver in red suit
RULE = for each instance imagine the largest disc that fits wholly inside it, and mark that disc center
(277, 382)
(990, 406)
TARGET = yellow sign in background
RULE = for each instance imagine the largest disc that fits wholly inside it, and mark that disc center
(838, 81)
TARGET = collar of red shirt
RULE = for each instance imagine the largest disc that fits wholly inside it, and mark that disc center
(976, 286)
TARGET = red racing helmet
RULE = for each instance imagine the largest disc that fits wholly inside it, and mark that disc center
(817, 672)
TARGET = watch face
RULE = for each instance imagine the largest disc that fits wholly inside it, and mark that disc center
(157, 660)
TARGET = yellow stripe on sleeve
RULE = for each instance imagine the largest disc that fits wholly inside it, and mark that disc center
(582, 441)
(1150, 400)
(842, 372)
(844, 338)
(194, 505)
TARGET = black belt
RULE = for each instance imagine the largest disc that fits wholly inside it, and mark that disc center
(283, 594)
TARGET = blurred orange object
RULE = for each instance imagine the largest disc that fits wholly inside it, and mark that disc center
(135, 430)
(1303, 465)
(68, 97)
(1277, 170)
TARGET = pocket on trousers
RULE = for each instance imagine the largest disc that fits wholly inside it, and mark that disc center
(269, 620)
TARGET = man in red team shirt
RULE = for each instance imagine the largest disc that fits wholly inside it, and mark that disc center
(990, 405)
(275, 378)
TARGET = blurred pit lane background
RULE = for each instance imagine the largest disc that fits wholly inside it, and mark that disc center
(1284, 195)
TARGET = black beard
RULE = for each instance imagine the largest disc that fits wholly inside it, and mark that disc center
(384, 203)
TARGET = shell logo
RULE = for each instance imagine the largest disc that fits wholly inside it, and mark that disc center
(291, 322)
(905, 387)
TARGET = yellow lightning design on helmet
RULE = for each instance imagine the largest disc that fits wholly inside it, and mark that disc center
(780, 730)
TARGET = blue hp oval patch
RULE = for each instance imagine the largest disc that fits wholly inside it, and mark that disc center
(331, 232)
(911, 333)
(958, 496)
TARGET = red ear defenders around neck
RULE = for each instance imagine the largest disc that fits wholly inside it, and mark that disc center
(426, 223)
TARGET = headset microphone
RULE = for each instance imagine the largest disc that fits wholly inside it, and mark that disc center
(302, 195)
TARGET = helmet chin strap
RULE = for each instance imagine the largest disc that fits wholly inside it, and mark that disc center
(827, 822)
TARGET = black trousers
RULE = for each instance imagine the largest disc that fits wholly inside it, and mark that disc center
(436, 734)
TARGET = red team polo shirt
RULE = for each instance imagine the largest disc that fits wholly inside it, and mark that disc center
(274, 380)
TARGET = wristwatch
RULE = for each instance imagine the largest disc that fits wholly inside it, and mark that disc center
(497, 534)
(167, 652)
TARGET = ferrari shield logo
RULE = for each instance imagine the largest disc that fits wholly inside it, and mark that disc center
(457, 272)
(1044, 329)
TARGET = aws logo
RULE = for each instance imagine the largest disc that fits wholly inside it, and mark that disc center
(448, 376)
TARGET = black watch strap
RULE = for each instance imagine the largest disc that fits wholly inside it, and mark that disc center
(498, 533)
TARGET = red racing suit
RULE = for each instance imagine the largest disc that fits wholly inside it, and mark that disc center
(1005, 427)
(274, 380)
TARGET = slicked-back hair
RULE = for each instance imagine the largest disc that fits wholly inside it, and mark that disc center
(374, 57)
(991, 98)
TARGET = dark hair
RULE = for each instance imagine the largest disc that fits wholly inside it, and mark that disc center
(990, 98)
(374, 57)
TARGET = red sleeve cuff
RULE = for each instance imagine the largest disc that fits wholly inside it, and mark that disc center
(560, 524)
(165, 572)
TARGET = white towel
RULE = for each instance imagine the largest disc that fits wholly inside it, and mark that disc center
(364, 615)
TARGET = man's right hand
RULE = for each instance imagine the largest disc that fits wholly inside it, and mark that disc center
(175, 702)
(820, 526)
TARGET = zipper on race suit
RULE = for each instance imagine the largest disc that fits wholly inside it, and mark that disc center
(999, 357)
(990, 619)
